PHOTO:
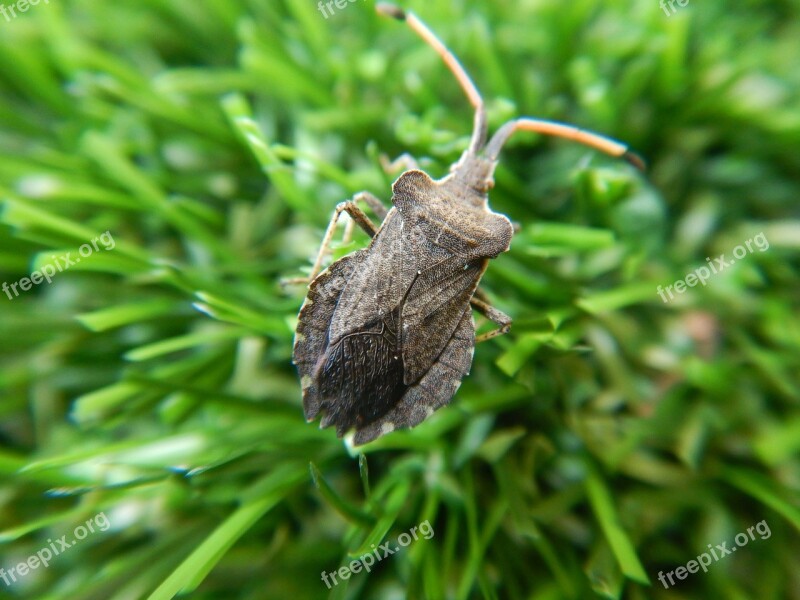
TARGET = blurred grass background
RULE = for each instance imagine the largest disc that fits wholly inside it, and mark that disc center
(610, 436)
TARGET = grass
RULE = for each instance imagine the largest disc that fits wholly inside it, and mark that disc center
(609, 437)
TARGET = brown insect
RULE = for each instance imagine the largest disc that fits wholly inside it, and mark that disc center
(386, 334)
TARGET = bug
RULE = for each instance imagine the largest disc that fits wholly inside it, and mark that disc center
(386, 334)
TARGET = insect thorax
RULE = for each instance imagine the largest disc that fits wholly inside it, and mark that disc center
(452, 215)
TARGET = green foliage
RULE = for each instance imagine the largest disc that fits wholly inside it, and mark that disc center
(609, 437)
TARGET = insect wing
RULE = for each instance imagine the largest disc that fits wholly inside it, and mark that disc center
(433, 309)
(380, 283)
(311, 337)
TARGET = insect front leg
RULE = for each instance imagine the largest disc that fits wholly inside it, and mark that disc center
(369, 228)
(490, 312)
(374, 203)
(357, 216)
(479, 294)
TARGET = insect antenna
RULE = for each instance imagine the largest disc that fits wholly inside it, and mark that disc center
(562, 130)
(541, 126)
(480, 127)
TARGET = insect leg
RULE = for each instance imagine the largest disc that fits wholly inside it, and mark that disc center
(479, 294)
(491, 313)
(358, 216)
(404, 162)
(374, 204)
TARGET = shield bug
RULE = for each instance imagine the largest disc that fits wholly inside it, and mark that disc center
(386, 334)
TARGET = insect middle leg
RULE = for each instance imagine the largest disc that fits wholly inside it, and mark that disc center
(479, 302)
(358, 217)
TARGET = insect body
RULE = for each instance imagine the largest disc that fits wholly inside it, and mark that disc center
(386, 334)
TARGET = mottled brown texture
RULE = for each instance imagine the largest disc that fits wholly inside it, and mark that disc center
(386, 334)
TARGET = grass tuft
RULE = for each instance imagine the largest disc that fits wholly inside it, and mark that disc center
(612, 436)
